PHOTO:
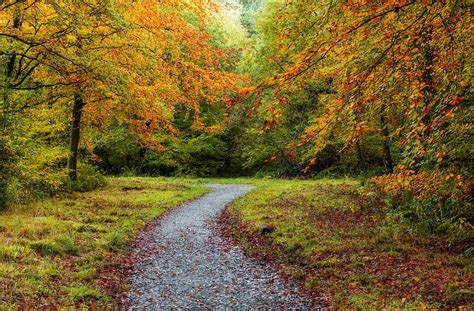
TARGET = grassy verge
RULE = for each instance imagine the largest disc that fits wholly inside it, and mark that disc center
(350, 256)
(53, 252)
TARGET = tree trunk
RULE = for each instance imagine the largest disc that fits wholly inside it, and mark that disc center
(428, 90)
(75, 136)
(10, 69)
(360, 156)
(387, 155)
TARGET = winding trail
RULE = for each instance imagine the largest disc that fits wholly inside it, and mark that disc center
(183, 263)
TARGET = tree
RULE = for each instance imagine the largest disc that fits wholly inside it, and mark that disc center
(410, 58)
(136, 62)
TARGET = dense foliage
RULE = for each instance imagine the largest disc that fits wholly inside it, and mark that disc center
(98, 65)
(279, 88)
(378, 91)
(367, 88)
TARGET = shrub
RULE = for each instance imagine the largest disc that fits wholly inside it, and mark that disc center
(88, 179)
(201, 156)
(158, 163)
(436, 201)
(117, 150)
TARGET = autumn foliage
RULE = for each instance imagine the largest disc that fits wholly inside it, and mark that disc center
(378, 91)
(405, 62)
(136, 63)
(396, 74)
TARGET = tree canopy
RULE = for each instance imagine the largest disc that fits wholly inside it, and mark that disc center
(378, 89)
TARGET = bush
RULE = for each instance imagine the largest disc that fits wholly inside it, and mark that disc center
(88, 179)
(3, 193)
(201, 156)
(36, 173)
(435, 201)
(158, 163)
(118, 150)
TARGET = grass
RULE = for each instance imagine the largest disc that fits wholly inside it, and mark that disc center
(52, 252)
(347, 255)
(55, 252)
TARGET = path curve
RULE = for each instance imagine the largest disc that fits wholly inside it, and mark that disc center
(181, 263)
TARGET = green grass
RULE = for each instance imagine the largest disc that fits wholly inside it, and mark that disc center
(53, 251)
(354, 257)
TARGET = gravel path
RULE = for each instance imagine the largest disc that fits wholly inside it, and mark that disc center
(182, 263)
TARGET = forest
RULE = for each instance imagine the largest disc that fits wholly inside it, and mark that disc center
(352, 120)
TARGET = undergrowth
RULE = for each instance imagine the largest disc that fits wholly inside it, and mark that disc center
(348, 255)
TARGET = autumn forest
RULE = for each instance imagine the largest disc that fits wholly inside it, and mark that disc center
(342, 130)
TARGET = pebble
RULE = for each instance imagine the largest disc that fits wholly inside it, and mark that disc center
(182, 263)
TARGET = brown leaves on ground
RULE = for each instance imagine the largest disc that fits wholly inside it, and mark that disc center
(346, 253)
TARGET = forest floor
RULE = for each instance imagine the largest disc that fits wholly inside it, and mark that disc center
(349, 256)
(76, 248)
(72, 250)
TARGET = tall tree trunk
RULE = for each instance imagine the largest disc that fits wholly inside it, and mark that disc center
(428, 89)
(75, 136)
(360, 155)
(10, 68)
(387, 155)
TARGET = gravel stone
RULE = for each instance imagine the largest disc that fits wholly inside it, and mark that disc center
(182, 263)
